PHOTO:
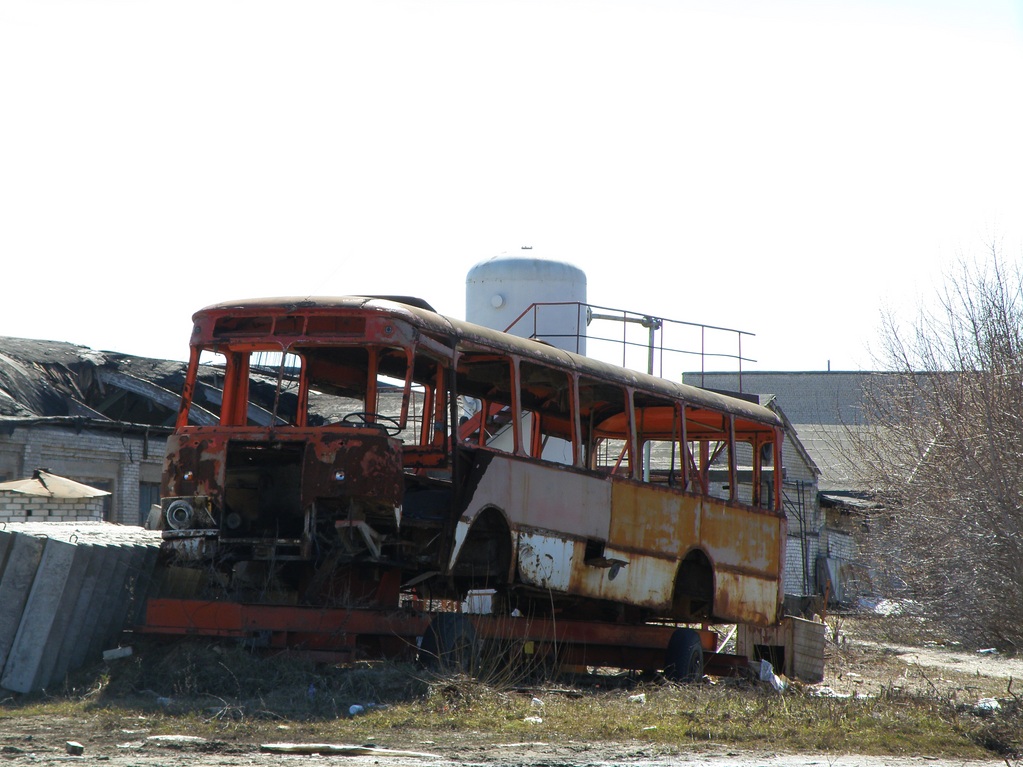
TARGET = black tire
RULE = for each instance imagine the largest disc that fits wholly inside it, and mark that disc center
(683, 661)
(450, 645)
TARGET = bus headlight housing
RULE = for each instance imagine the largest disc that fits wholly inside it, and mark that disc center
(180, 514)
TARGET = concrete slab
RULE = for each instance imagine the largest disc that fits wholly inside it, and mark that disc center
(103, 593)
(111, 604)
(79, 632)
(6, 536)
(143, 585)
(23, 555)
(21, 673)
(46, 676)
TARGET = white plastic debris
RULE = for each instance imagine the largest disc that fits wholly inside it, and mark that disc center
(888, 607)
(828, 692)
(533, 720)
(536, 703)
(117, 652)
(641, 698)
(987, 706)
(767, 675)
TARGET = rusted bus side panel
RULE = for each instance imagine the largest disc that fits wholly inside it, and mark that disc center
(652, 528)
(548, 561)
(736, 537)
(535, 497)
(747, 549)
(746, 598)
(645, 580)
(558, 498)
(653, 519)
(646, 531)
(645, 575)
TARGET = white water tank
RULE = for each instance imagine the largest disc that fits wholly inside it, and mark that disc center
(500, 289)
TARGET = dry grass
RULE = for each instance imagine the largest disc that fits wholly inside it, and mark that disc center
(235, 697)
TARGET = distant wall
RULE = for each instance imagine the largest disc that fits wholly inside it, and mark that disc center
(816, 397)
(120, 459)
(801, 554)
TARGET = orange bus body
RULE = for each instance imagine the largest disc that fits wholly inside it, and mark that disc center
(346, 451)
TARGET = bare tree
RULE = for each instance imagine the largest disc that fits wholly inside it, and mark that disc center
(945, 453)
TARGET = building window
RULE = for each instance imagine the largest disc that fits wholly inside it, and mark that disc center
(149, 494)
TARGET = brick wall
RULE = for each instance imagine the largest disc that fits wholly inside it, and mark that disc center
(19, 507)
(116, 461)
(842, 545)
(794, 564)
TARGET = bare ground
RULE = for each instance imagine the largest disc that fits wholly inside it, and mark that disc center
(44, 744)
(857, 663)
(870, 655)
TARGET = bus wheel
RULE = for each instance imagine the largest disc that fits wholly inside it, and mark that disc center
(450, 645)
(683, 661)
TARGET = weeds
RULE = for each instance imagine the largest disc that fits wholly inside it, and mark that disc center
(231, 695)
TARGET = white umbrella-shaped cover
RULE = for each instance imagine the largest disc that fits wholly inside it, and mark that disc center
(52, 486)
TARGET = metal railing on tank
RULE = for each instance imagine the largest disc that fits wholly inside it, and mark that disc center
(655, 345)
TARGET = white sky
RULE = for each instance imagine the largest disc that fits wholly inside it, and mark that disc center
(781, 167)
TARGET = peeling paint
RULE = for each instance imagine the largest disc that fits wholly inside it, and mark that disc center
(546, 561)
(555, 510)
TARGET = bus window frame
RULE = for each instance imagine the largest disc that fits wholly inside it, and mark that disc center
(445, 345)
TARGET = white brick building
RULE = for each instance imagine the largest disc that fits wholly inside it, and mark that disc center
(99, 418)
(122, 459)
(50, 498)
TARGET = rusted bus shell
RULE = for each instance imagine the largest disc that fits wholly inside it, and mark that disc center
(555, 511)
(191, 545)
(336, 462)
(572, 530)
(456, 335)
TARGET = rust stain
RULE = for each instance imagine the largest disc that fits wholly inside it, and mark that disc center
(652, 519)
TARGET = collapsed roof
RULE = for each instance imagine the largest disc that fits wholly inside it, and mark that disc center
(46, 379)
(57, 380)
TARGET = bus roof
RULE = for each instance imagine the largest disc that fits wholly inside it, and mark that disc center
(453, 332)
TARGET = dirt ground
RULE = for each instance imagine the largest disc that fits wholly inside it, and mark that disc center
(855, 665)
(860, 663)
(45, 745)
